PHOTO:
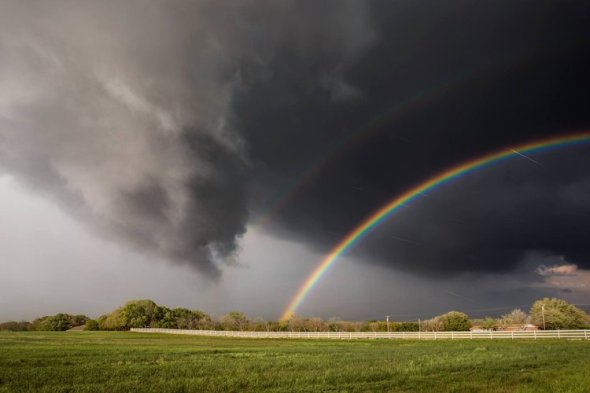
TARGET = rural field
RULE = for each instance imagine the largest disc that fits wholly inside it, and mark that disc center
(134, 362)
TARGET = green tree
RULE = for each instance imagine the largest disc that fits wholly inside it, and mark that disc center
(515, 317)
(15, 326)
(432, 325)
(78, 320)
(558, 314)
(60, 322)
(189, 319)
(166, 318)
(91, 324)
(375, 325)
(112, 321)
(489, 323)
(295, 323)
(141, 313)
(314, 325)
(40, 323)
(234, 320)
(454, 321)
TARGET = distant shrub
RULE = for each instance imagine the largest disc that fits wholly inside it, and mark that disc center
(146, 313)
(489, 323)
(432, 325)
(455, 321)
(15, 326)
(91, 324)
(58, 322)
(516, 317)
(406, 327)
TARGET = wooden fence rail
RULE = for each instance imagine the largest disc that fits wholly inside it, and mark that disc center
(533, 335)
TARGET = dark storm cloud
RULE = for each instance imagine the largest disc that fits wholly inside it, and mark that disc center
(165, 123)
(121, 112)
(490, 220)
(491, 74)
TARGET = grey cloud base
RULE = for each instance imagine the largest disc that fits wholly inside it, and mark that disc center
(121, 112)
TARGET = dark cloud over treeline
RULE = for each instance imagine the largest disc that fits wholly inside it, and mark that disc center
(169, 124)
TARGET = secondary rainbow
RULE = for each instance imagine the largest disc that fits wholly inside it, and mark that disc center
(356, 137)
(382, 214)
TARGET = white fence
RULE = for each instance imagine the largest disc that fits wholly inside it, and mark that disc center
(533, 335)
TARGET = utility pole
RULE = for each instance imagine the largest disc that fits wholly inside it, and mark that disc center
(543, 314)
(387, 318)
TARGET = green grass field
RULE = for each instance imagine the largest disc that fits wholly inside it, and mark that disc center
(133, 362)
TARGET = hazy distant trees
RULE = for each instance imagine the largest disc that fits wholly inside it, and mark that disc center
(234, 320)
(16, 326)
(146, 313)
(558, 314)
(91, 324)
(376, 326)
(338, 325)
(489, 323)
(431, 325)
(515, 317)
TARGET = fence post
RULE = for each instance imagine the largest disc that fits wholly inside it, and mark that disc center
(512, 334)
(558, 335)
(471, 334)
(452, 335)
(435, 335)
(535, 334)
(586, 334)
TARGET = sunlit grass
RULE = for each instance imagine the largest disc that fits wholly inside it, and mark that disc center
(133, 362)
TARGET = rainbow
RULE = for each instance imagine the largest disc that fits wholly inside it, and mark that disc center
(383, 213)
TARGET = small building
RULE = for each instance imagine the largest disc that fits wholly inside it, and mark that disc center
(478, 329)
(527, 327)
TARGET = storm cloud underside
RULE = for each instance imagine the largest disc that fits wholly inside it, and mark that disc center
(490, 75)
(122, 112)
(168, 126)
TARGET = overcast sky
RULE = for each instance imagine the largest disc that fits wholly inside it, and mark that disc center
(209, 154)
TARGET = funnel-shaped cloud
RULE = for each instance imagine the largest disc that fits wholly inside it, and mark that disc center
(121, 111)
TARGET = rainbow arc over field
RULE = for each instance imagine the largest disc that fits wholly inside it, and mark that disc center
(386, 211)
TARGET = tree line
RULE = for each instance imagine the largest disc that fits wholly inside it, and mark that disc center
(547, 313)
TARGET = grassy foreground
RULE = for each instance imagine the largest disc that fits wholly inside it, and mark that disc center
(133, 362)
